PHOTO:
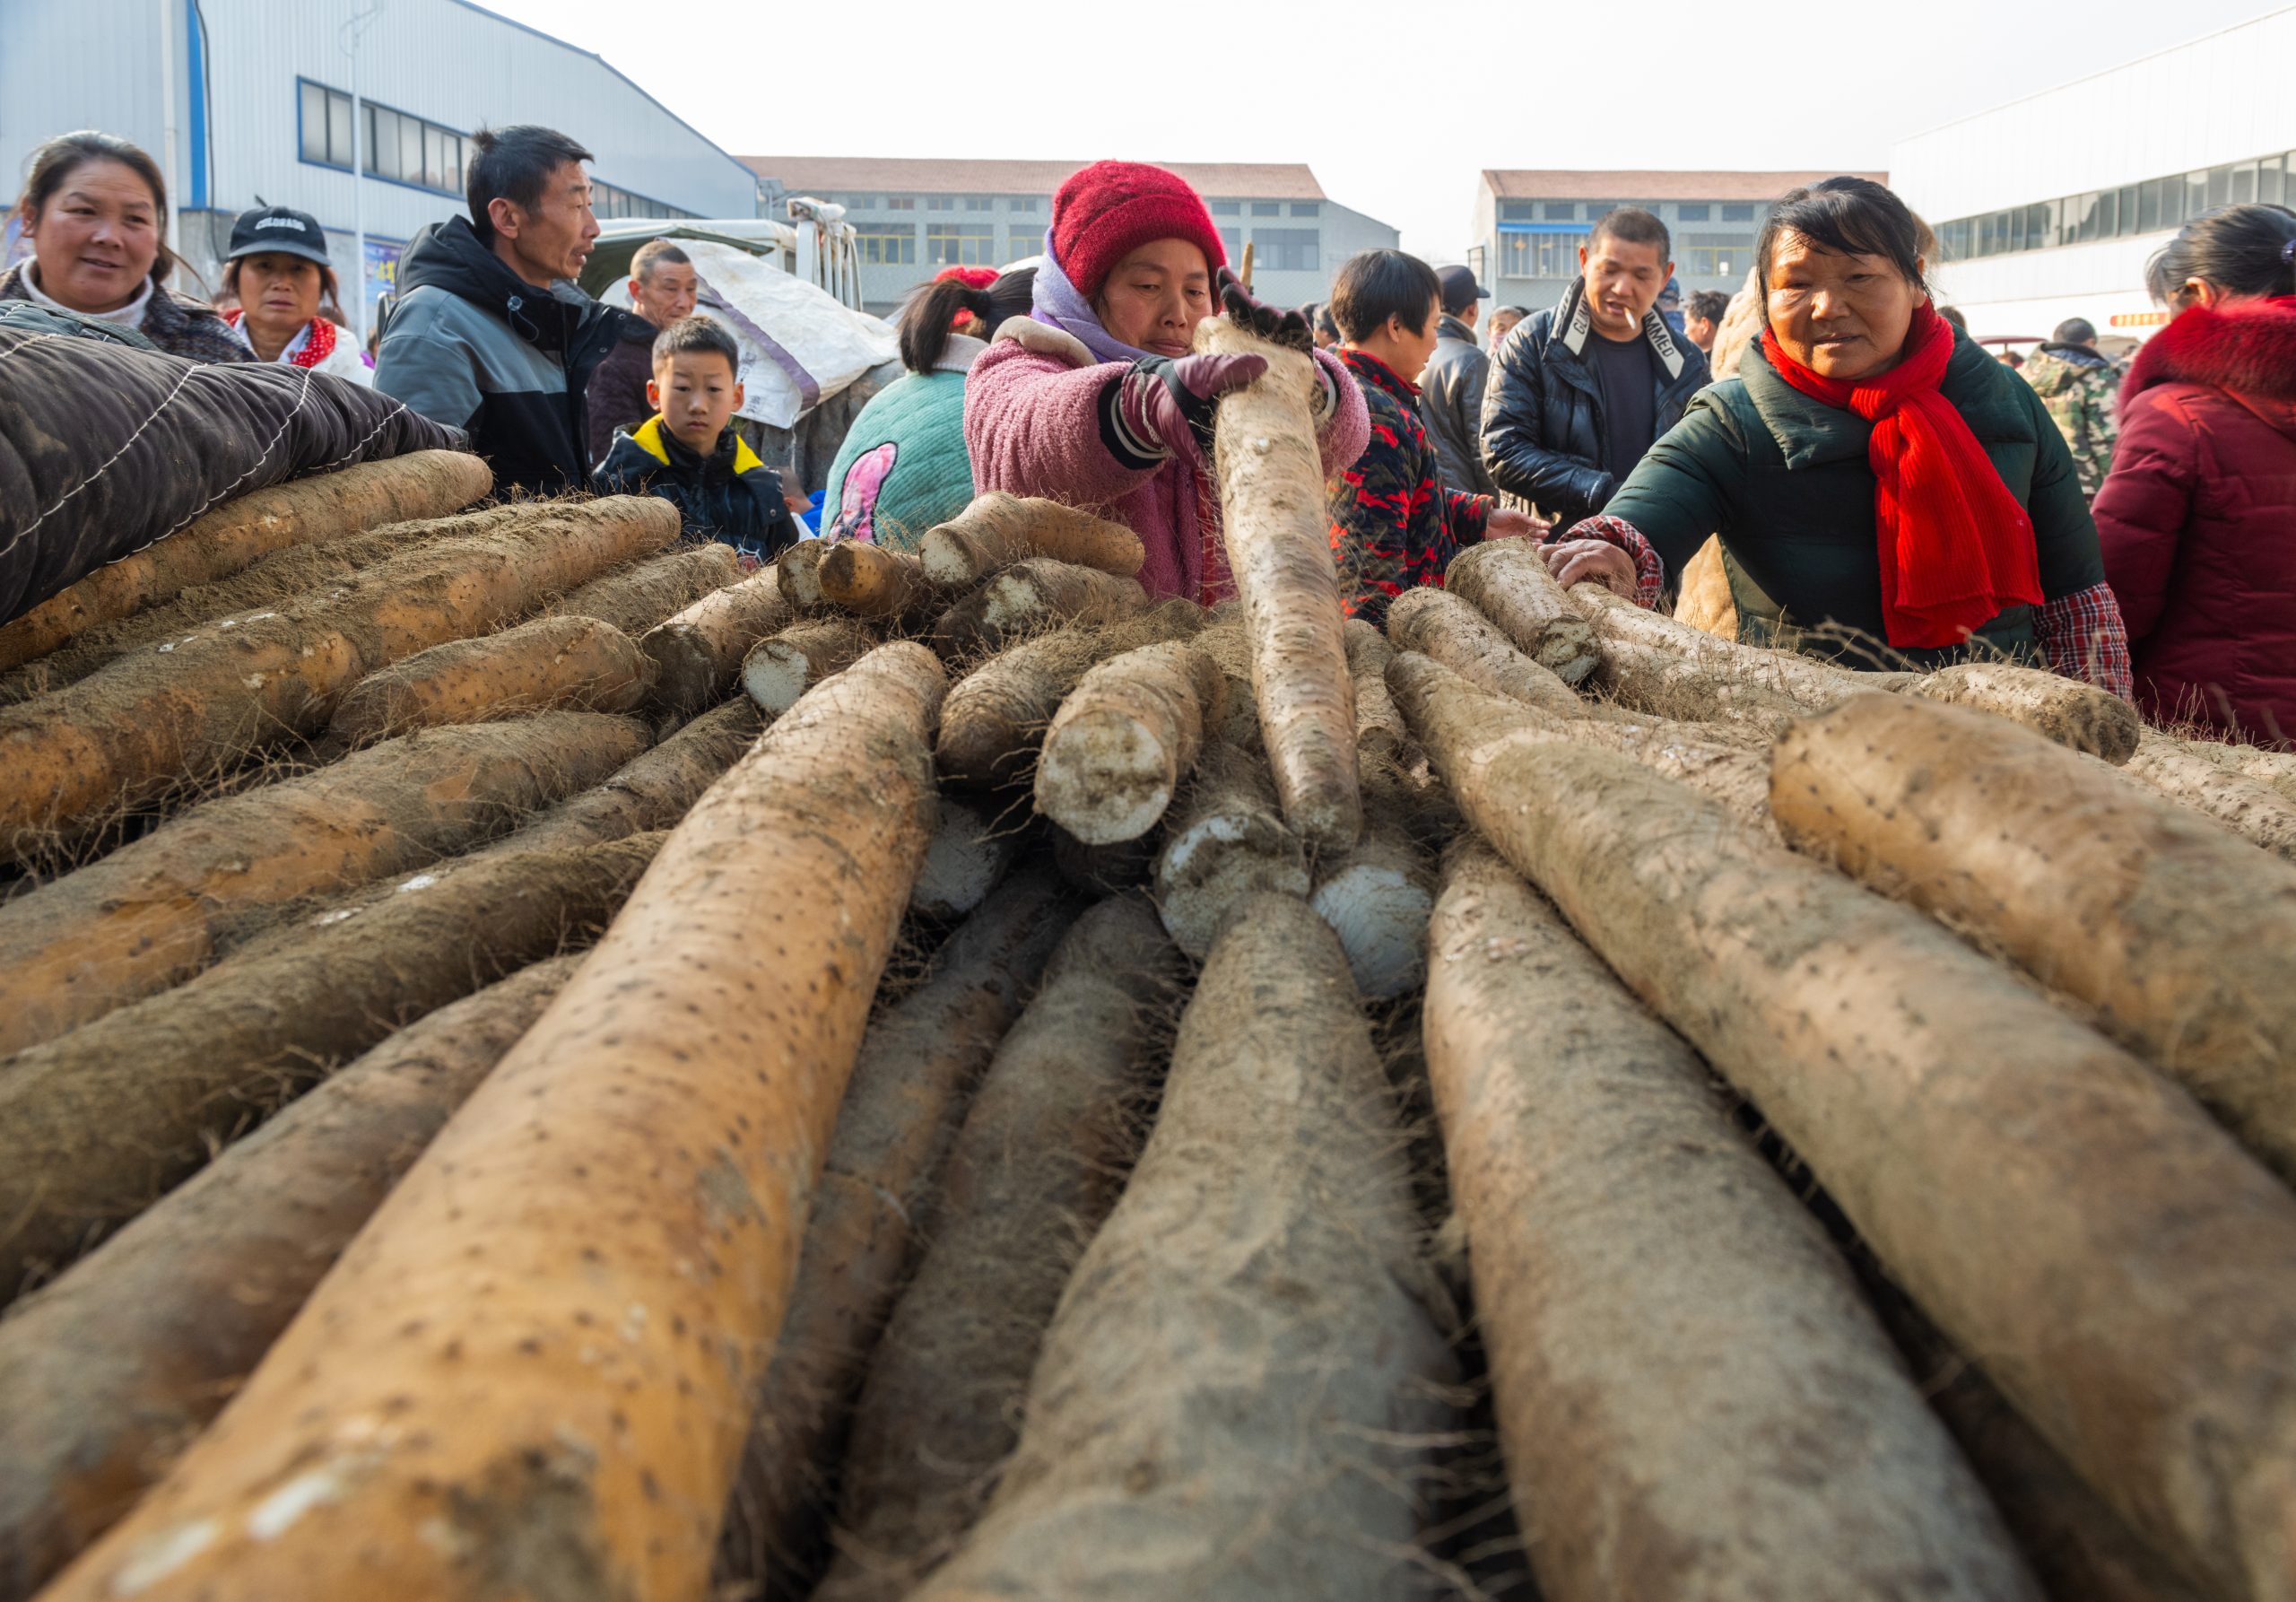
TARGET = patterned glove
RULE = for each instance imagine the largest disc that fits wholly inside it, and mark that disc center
(1286, 328)
(1164, 405)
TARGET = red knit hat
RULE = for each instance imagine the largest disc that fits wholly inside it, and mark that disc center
(1112, 208)
(970, 277)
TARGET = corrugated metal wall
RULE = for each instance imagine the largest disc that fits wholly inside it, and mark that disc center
(95, 63)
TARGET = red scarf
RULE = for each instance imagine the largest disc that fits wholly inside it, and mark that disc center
(317, 349)
(1956, 548)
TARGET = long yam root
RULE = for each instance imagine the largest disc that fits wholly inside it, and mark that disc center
(552, 662)
(698, 654)
(1508, 582)
(1124, 739)
(999, 529)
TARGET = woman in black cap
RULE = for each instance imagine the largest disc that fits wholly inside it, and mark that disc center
(279, 271)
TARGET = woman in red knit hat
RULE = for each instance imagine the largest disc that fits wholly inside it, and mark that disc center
(1095, 399)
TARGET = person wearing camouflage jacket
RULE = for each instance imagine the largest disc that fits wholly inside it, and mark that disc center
(2079, 386)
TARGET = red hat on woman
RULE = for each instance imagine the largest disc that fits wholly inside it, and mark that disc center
(970, 277)
(1110, 209)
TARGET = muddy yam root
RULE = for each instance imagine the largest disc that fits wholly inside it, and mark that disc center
(1440, 626)
(698, 654)
(158, 909)
(999, 529)
(1508, 582)
(424, 483)
(779, 670)
(647, 593)
(634, 1178)
(2065, 710)
(973, 846)
(1787, 1451)
(1030, 597)
(112, 1369)
(1236, 1396)
(94, 1124)
(918, 1064)
(124, 735)
(1124, 740)
(1379, 733)
(874, 581)
(2248, 805)
(1034, 1169)
(2090, 883)
(552, 662)
(2136, 1297)
(650, 791)
(1227, 840)
(1272, 516)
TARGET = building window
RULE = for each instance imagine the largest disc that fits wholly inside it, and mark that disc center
(959, 245)
(403, 148)
(1287, 249)
(887, 244)
(1307, 208)
(1233, 240)
(1516, 211)
(2271, 181)
(1561, 210)
(1737, 214)
(1022, 203)
(1266, 208)
(1539, 255)
(610, 202)
(978, 203)
(941, 202)
(1227, 208)
(1689, 212)
(1022, 241)
(1714, 254)
(901, 203)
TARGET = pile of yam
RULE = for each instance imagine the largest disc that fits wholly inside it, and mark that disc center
(540, 1064)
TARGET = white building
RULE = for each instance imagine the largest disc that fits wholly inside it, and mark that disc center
(2049, 206)
(262, 107)
(915, 216)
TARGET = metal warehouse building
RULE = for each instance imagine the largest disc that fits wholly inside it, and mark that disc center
(916, 216)
(2049, 206)
(262, 107)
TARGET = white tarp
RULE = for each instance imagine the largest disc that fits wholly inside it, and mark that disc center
(799, 345)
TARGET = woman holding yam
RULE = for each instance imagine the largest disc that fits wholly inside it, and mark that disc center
(1096, 398)
(1871, 474)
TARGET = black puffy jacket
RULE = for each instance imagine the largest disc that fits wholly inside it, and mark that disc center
(729, 495)
(1541, 420)
(1450, 406)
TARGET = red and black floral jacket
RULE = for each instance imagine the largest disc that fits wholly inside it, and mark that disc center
(1394, 527)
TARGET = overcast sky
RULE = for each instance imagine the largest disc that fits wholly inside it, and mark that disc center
(1397, 106)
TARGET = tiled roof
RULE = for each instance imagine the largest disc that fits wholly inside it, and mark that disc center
(863, 175)
(1643, 185)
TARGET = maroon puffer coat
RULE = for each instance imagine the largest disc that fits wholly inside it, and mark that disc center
(2198, 519)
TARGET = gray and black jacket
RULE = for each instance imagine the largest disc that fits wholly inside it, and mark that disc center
(471, 344)
(1543, 425)
(1450, 403)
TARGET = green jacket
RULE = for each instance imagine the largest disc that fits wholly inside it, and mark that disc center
(903, 467)
(2079, 389)
(1783, 479)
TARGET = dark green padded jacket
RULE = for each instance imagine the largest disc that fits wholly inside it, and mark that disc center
(1783, 478)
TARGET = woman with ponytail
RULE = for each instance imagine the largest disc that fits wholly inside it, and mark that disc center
(902, 467)
(2198, 514)
(1884, 492)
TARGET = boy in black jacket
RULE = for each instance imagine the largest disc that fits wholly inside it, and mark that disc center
(688, 455)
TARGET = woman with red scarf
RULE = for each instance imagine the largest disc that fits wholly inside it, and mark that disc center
(279, 273)
(2198, 515)
(1885, 492)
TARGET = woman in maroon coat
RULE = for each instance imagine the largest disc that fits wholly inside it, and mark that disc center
(2198, 516)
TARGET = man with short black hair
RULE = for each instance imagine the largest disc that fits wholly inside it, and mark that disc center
(1451, 394)
(662, 288)
(489, 333)
(1702, 315)
(2080, 387)
(1394, 524)
(1583, 389)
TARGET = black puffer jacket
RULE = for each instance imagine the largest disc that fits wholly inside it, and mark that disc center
(729, 495)
(1450, 405)
(1543, 426)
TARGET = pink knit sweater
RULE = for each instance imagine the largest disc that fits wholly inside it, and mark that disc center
(1032, 427)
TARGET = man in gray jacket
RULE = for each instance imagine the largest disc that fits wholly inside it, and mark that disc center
(1450, 393)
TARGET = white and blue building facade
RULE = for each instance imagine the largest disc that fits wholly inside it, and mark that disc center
(262, 111)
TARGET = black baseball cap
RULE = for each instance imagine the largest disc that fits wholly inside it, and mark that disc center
(1460, 289)
(277, 228)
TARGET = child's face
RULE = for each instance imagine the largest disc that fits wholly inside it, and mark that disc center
(696, 393)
